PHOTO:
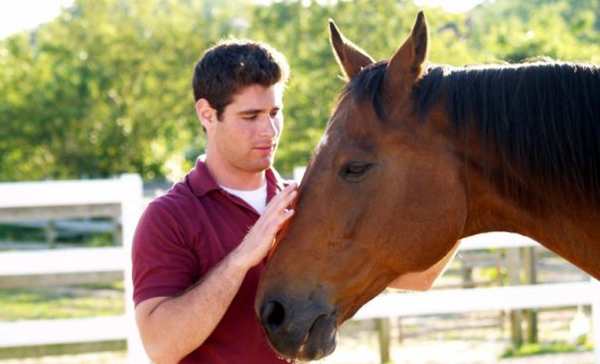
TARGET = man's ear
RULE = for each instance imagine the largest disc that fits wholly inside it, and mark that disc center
(206, 113)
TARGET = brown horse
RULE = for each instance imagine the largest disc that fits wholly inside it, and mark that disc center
(416, 157)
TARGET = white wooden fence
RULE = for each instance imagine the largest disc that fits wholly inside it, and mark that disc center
(127, 193)
(400, 304)
(31, 200)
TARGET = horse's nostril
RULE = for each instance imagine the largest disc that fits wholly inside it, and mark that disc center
(272, 315)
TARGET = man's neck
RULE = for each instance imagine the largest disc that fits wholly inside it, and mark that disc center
(234, 178)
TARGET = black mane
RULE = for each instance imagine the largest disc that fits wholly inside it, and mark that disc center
(543, 118)
(367, 85)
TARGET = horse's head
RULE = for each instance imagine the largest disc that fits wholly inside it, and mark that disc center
(382, 198)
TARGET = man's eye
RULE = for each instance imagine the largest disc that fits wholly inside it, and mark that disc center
(250, 118)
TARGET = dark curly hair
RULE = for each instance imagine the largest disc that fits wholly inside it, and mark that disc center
(231, 65)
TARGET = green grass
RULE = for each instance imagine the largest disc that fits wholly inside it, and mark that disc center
(118, 286)
(64, 302)
(545, 348)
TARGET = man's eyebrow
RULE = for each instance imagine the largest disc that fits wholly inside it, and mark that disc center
(257, 111)
(250, 112)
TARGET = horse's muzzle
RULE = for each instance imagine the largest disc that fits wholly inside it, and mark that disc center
(303, 330)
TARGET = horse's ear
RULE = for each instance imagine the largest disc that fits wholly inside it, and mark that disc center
(408, 64)
(351, 58)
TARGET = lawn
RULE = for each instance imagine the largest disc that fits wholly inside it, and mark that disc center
(62, 302)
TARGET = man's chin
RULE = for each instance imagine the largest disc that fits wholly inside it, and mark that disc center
(261, 165)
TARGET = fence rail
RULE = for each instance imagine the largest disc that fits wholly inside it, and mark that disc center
(550, 295)
(72, 331)
(119, 197)
(481, 299)
(31, 198)
(62, 261)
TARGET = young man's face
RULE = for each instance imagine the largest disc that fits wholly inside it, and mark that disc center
(247, 135)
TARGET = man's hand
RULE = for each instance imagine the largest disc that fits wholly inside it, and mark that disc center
(259, 240)
(164, 322)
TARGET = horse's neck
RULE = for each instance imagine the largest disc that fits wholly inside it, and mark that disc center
(570, 231)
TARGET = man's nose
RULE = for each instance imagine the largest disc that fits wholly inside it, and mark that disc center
(269, 126)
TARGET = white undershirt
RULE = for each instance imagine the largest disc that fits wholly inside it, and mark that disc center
(255, 198)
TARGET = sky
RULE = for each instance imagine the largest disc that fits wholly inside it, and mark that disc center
(18, 15)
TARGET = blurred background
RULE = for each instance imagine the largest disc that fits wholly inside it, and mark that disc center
(101, 89)
(104, 88)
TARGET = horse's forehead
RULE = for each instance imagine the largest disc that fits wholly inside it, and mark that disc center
(353, 120)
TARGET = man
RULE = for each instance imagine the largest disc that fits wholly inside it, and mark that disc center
(200, 249)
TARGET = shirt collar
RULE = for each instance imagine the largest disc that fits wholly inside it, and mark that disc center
(202, 182)
(274, 183)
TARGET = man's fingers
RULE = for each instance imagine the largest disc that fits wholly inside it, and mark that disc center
(262, 234)
(286, 214)
(277, 211)
(286, 194)
(267, 228)
(289, 189)
(280, 219)
(283, 199)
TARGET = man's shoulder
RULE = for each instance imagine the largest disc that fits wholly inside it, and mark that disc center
(179, 202)
(175, 216)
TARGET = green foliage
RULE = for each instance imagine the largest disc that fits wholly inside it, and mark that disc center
(105, 88)
(10, 233)
(69, 302)
(37, 234)
(101, 239)
(513, 30)
(547, 348)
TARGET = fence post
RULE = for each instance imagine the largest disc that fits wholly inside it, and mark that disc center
(131, 206)
(529, 260)
(595, 286)
(51, 234)
(384, 332)
(513, 261)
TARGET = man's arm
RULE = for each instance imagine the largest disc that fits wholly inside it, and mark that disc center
(172, 327)
(422, 281)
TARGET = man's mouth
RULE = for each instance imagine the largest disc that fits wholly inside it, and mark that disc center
(266, 149)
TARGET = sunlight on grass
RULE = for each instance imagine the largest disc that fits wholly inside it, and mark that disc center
(545, 348)
(63, 302)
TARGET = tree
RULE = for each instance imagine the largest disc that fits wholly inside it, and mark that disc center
(105, 88)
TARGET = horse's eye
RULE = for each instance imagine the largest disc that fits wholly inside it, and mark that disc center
(354, 171)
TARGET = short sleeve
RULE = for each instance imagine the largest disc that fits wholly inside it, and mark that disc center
(163, 264)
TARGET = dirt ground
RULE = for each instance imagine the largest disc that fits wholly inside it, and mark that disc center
(450, 352)
(437, 353)
(461, 339)
(428, 352)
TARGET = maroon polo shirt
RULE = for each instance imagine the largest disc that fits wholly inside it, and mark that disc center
(180, 237)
